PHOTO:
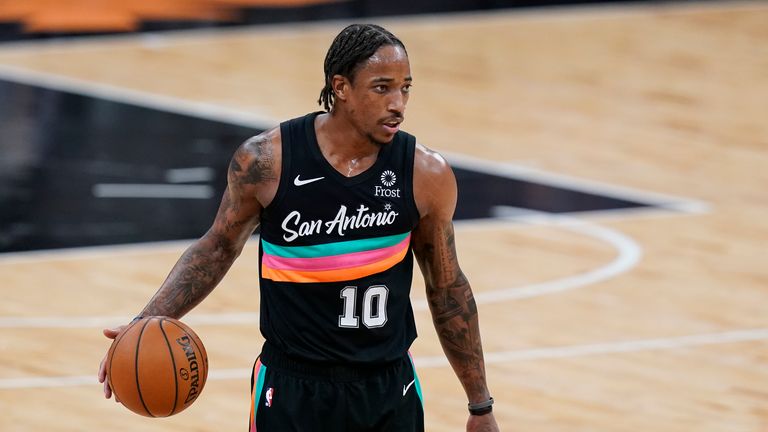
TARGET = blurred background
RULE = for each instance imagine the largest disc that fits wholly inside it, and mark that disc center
(611, 160)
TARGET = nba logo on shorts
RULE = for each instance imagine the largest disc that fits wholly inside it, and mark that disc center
(268, 396)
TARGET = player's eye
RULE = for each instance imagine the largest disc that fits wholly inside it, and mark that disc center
(407, 88)
(381, 88)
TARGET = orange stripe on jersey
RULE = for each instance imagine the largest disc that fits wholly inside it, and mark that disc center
(332, 275)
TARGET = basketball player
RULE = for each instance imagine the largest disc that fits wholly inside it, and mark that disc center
(342, 198)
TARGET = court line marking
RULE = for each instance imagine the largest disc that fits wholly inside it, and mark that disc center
(168, 104)
(628, 255)
(64, 322)
(190, 175)
(152, 190)
(630, 346)
(93, 252)
(628, 251)
(664, 205)
(520, 172)
(547, 353)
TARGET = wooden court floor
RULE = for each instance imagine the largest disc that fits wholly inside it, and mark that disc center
(651, 321)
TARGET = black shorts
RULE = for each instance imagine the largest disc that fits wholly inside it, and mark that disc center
(287, 395)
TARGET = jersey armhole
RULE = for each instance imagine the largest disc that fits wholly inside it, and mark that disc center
(410, 161)
(285, 164)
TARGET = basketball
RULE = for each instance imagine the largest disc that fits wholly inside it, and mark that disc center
(157, 366)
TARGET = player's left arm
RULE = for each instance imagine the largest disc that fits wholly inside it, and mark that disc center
(454, 312)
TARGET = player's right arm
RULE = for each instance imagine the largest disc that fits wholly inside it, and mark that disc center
(252, 181)
(204, 264)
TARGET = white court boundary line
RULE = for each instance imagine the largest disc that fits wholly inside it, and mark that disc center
(168, 104)
(64, 322)
(629, 254)
(658, 203)
(152, 190)
(630, 346)
(568, 351)
(520, 172)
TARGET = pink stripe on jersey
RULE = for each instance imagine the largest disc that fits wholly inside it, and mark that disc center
(334, 262)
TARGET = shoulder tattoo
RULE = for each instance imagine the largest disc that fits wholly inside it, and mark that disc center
(254, 162)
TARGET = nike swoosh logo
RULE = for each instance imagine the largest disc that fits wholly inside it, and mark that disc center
(299, 182)
(405, 388)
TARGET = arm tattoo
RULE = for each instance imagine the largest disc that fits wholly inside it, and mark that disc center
(259, 159)
(454, 311)
(205, 263)
(194, 276)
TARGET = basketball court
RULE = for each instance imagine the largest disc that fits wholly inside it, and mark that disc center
(613, 172)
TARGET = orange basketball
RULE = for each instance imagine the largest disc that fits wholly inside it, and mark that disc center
(157, 366)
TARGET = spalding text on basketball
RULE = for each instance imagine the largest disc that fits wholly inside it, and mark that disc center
(189, 351)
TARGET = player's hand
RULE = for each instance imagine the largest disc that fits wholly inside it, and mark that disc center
(110, 333)
(482, 423)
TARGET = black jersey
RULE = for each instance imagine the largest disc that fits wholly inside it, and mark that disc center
(335, 253)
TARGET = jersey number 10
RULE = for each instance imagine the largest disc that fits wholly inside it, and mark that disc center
(374, 300)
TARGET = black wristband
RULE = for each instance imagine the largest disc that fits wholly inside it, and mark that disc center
(481, 408)
(137, 318)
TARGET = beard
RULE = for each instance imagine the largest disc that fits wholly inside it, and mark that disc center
(377, 142)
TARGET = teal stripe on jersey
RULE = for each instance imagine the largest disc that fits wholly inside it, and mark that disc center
(417, 384)
(330, 249)
(259, 388)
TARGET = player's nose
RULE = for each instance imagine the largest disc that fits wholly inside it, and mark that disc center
(397, 103)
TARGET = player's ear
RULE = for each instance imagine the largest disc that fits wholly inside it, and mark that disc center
(340, 86)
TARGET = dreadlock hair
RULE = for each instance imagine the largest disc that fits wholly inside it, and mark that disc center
(352, 46)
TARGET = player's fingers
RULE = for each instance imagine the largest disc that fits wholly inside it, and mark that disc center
(110, 333)
(107, 390)
(103, 378)
(113, 332)
(103, 370)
